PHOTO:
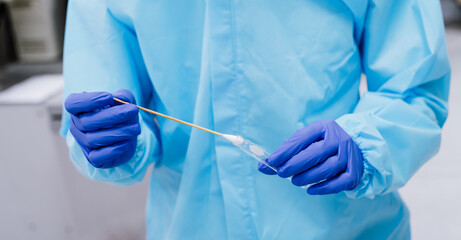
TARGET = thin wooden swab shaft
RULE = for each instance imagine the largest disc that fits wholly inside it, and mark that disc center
(171, 118)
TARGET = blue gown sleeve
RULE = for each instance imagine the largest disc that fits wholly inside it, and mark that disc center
(397, 123)
(102, 53)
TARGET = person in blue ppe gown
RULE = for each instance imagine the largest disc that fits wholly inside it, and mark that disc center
(283, 74)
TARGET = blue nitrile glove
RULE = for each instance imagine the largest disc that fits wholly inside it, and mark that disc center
(106, 130)
(320, 151)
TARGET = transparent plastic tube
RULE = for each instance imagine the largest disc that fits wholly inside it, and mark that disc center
(253, 150)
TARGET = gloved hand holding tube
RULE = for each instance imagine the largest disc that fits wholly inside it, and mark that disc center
(322, 151)
(106, 130)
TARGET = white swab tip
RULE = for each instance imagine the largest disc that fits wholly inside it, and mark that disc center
(234, 139)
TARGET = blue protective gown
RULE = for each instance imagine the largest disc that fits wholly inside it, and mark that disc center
(263, 69)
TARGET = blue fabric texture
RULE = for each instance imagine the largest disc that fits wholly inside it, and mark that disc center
(264, 69)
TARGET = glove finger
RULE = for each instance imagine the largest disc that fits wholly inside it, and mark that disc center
(78, 138)
(78, 103)
(324, 171)
(311, 156)
(78, 135)
(116, 115)
(113, 155)
(342, 182)
(348, 151)
(106, 137)
(294, 144)
(265, 169)
(125, 95)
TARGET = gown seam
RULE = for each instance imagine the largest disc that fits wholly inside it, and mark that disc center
(248, 204)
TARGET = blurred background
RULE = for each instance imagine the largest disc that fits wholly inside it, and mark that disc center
(42, 196)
